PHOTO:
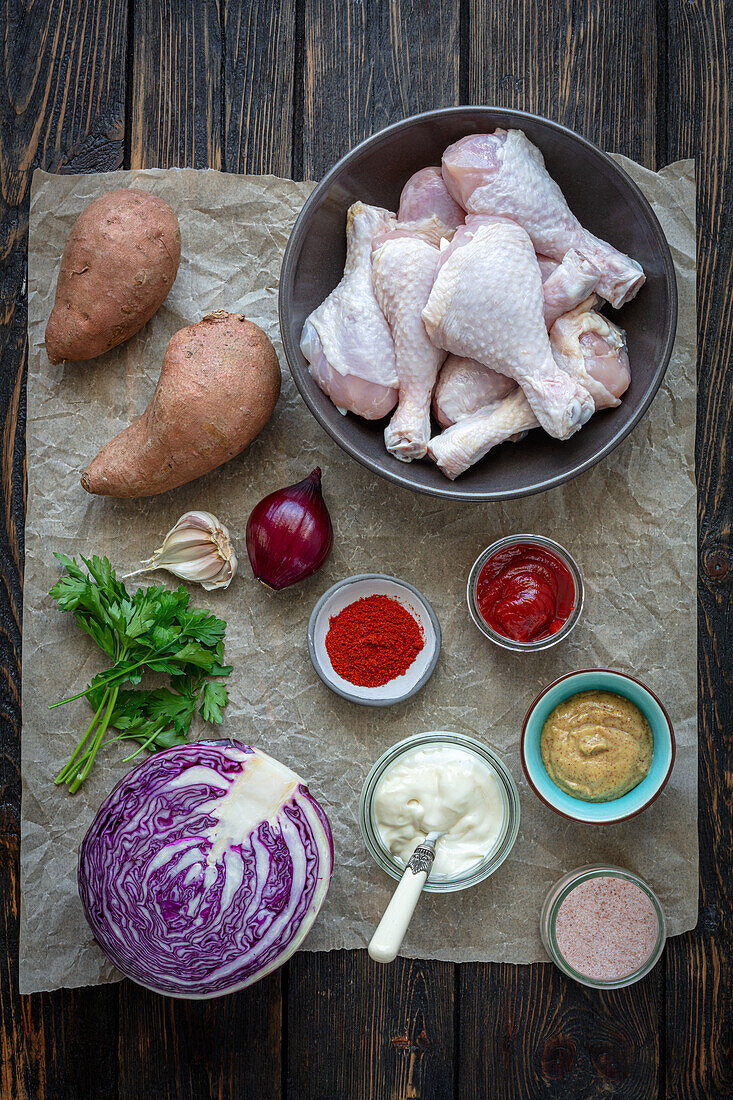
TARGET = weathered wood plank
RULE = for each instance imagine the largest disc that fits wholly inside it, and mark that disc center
(53, 1046)
(591, 65)
(63, 112)
(62, 94)
(699, 1004)
(366, 65)
(530, 1035)
(369, 1032)
(259, 67)
(175, 116)
(176, 1050)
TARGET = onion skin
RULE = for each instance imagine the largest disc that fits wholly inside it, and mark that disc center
(290, 534)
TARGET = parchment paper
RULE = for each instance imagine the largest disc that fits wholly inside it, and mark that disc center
(630, 522)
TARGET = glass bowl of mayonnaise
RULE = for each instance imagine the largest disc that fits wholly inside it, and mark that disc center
(444, 782)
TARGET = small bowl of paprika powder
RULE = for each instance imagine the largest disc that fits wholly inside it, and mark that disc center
(374, 639)
(525, 593)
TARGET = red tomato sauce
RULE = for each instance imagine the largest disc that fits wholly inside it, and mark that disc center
(525, 593)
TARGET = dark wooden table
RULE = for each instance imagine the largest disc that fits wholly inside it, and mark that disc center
(286, 86)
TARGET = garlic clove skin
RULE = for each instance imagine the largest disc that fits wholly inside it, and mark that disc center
(197, 549)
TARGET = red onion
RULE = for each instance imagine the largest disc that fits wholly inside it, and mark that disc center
(289, 534)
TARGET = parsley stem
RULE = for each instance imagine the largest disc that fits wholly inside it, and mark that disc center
(91, 753)
(154, 627)
(68, 768)
(145, 744)
(120, 675)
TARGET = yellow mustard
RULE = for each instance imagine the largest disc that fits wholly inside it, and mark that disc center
(596, 745)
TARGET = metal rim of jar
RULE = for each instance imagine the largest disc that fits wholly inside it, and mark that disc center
(540, 643)
(551, 906)
(510, 796)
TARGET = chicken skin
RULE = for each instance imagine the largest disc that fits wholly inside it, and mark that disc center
(568, 285)
(479, 303)
(426, 209)
(593, 349)
(346, 340)
(487, 304)
(403, 270)
(504, 174)
(425, 195)
(465, 385)
(588, 346)
(459, 447)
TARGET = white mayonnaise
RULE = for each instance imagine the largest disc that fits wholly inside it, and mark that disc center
(440, 788)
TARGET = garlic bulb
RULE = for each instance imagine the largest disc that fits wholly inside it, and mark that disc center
(197, 549)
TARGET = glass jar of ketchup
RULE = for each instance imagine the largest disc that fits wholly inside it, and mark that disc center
(525, 592)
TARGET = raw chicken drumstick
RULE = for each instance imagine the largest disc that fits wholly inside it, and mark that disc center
(486, 304)
(465, 385)
(587, 345)
(592, 349)
(426, 209)
(425, 195)
(565, 284)
(568, 285)
(547, 266)
(504, 174)
(462, 445)
(403, 270)
(346, 340)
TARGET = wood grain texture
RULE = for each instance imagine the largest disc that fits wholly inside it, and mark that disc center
(175, 1050)
(365, 65)
(175, 113)
(259, 68)
(590, 65)
(62, 93)
(62, 112)
(362, 1031)
(53, 1046)
(288, 86)
(699, 978)
(523, 1036)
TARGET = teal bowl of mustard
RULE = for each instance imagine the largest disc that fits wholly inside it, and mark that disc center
(635, 800)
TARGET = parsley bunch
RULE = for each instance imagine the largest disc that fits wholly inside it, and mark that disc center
(153, 631)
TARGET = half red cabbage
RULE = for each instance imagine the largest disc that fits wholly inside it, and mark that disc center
(205, 868)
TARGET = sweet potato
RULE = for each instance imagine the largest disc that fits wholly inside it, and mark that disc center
(118, 265)
(219, 384)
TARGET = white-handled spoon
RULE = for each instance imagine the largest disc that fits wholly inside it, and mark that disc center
(387, 940)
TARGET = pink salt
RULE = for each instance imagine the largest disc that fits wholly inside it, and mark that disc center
(606, 928)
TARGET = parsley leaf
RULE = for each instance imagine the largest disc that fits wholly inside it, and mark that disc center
(214, 698)
(153, 631)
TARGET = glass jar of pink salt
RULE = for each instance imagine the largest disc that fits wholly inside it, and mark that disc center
(603, 926)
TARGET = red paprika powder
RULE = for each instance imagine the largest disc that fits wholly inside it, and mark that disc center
(373, 640)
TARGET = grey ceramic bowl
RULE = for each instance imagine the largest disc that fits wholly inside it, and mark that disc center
(605, 200)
